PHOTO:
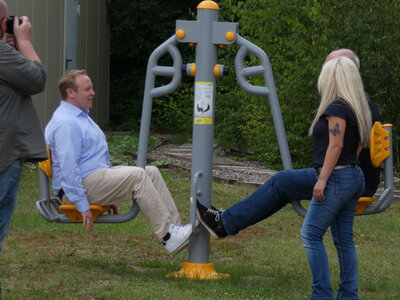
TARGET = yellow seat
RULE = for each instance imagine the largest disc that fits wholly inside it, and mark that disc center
(362, 204)
(70, 210)
(75, 216)
(379, 151)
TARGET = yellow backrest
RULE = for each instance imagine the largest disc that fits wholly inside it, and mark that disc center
(379, 144)
(45, 165)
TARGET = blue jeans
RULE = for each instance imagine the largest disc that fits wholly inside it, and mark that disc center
(284, 186)
(336, 211)
(9, 182)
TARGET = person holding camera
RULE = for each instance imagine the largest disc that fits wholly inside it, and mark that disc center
(21, 139)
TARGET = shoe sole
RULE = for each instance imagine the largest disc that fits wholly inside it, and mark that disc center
(212, 232)
(182, 246)
(179, 249)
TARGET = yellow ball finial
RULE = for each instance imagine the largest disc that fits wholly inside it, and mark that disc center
(208, 5)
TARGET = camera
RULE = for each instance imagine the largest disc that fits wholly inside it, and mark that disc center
(10, 24)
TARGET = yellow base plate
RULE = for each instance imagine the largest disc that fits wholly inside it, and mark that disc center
(197, 272)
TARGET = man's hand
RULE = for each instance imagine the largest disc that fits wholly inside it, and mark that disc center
(23, 38)
(113, 210)
(87, 220)
(22, 32)
(10, 39)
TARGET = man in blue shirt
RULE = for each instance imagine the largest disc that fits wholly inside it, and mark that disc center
(82, 172)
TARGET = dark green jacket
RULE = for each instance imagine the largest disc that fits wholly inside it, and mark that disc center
(21, 135)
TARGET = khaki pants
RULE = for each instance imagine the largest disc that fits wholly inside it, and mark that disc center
(147, 187)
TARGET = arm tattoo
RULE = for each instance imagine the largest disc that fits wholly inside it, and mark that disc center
(335, 130)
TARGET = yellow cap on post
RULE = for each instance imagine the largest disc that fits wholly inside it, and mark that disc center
(208, 5)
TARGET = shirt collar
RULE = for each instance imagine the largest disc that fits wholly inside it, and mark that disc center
(72, 109)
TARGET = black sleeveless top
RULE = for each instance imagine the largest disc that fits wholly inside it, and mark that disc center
(340, 109)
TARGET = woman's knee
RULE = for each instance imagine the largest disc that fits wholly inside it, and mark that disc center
(311, 232)
(304, 236)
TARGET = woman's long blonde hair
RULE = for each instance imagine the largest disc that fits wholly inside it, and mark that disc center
(340, 79)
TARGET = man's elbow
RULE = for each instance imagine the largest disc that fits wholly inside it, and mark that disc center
(41, 80)
(37, 85)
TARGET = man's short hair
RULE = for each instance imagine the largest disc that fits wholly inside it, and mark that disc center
(67, 81)
(346, 53)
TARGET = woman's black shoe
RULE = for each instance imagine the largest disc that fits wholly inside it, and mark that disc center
(211, 219)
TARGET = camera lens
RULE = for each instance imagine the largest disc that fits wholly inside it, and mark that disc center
(10, 24)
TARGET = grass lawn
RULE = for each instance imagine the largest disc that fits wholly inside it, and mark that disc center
(42, 260)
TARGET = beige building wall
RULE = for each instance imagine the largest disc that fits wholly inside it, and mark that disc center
(93, 53)
(48, 18)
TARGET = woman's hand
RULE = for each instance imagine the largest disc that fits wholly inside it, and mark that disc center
(318, 191)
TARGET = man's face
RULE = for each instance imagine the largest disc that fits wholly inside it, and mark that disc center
(83, 95)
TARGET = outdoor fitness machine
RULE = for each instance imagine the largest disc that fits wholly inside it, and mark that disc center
(206, 34)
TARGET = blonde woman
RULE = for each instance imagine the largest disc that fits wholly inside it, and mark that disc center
(340, 128)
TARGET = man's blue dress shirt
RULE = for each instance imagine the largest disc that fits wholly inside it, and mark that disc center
(78, 148)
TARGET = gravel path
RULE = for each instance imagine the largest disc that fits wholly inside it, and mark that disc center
(224, 168)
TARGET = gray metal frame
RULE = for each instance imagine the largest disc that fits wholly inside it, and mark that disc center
(151, 92)
(268, 90)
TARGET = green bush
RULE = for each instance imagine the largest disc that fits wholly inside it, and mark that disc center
(174, 112)
(296, 34)
(137, 29)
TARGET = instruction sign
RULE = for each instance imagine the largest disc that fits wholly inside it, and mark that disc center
(203, 103)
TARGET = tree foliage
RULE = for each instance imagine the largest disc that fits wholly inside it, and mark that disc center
(296, 35)
(137, 28)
